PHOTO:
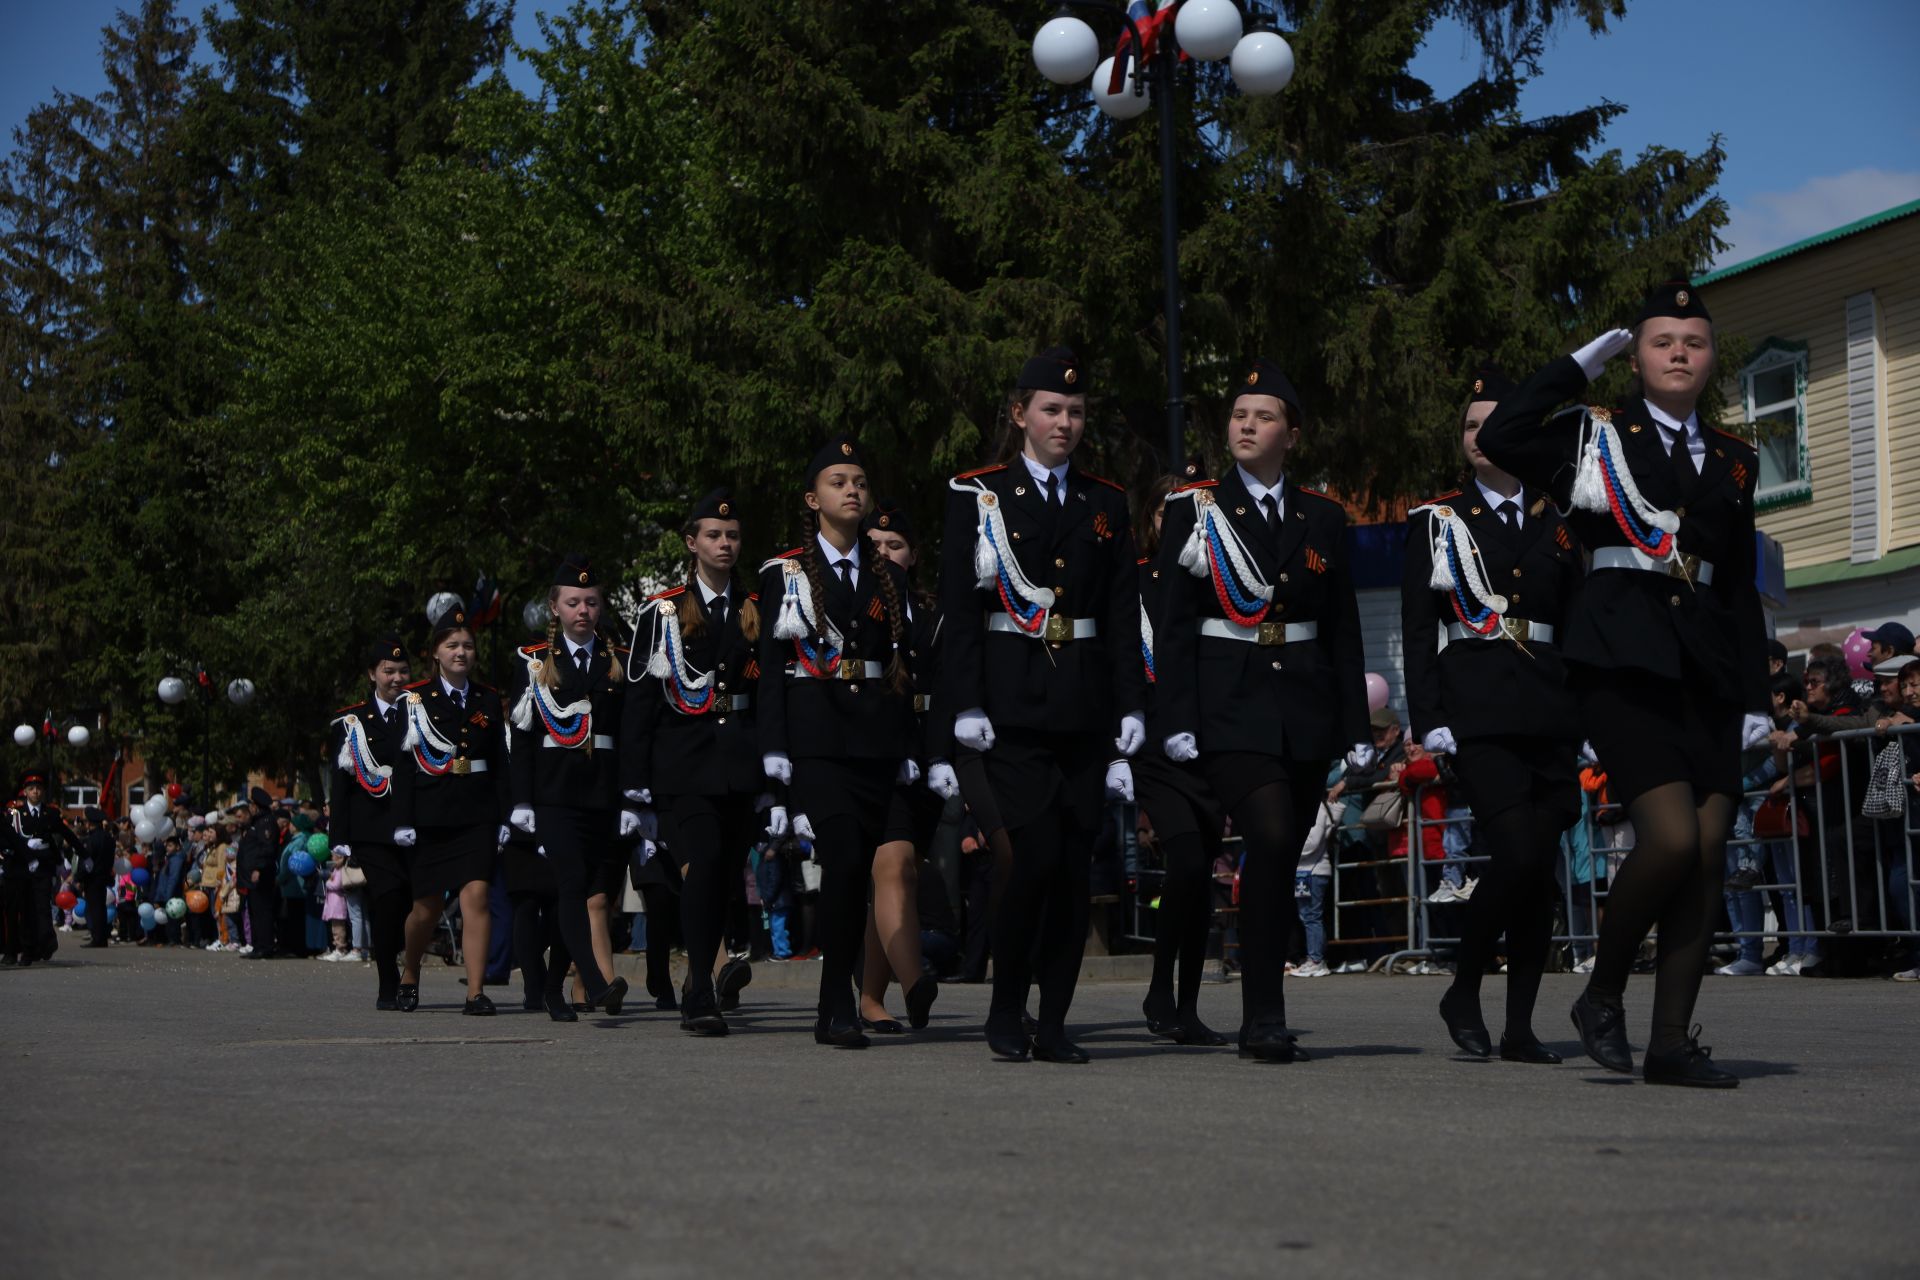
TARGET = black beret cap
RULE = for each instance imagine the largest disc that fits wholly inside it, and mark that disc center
(1195, 470)
(837, 452)
(1676, 299)
(1489, 383)
(386, 649)
(1055, 369)
(890, 516)
(1263, 378)
(575, 571)
(260, 798)
(717, 505)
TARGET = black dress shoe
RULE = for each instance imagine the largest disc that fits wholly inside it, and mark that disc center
(1692, 1066)
(700, 1015)
(841, 1035)
(1014, 1048)
(883, 1026)
(1163, 1019)
(1190, 1030)
(407, 998)
(478, 1007)
(1057, 1048)
(1527, 1048)
(920, 1002)
(1603, 1032)
(1029, 1024)
(615, 997)
(733, 979)
(1271, 1042)
(533, 1004)
(560, 1010)
(385, 1002)
(1464, 1024)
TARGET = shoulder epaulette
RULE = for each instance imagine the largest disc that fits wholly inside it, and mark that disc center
(354, 707)
(1320, 494)
(533, 648)
(1141, 561)
(620, 648)
(1118, 488)
(1439, 497)
(669, 593)
(481, 684)
(1197, 484)
(418, 683)
(1739, 440)
(981, 471)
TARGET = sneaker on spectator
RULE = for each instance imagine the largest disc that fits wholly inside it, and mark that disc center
(1740, 969)
(1445, 893)
(1318, 969)
(1788, 966)
(214, 945)
(1585, 966)
(246, 951)
(1742, 879)
(1908, 975)
(1465, 891)
(1352, 966)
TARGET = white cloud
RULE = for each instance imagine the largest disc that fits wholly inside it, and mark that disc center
(1772, 219)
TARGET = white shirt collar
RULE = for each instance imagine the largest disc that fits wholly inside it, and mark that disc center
(833, 554)
(384, 705)
(707, 594)
(1670, 425)
(1040, 473)
(451, 691)
(576, 650)
(1494, 499)
(1259, 491)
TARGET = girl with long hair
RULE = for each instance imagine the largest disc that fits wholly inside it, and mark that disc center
(369, 782)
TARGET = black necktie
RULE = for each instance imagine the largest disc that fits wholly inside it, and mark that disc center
(583, 658)
(459, 700)
(846, 572)
(1053, 490)
(1273, 512)
(1683, 469)
(1509, 513)
(718, 606)
(393, 715)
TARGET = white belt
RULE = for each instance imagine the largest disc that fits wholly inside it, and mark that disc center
(1264, 633)
(601, 742)
(739, 702)
(1692, 568)
(1510, 629)
(1059, 628)
(845, 671)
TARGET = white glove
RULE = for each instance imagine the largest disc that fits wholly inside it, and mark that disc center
(540, 849)
(346, 850)
(1182, 747)
(1440, 742)
(909, 773)
(777, 824)
(942, 780)
(644, 852)
(643, 796)
(522, 817)
(1753, 731)
(506, 834)
(1593, 357)
(36, 844)
(1120, 781)
(971, 728)
(777, 766)
(405, 836)
(803, 828)
(1133, 732)
(1361, 757)
(629, 822)
(1588, 754)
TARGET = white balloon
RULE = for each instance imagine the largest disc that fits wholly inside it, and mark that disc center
(240, 692)
(1208, 29)
(163, 828)
(439, 604)
(23, 735)
(156, 806)
(78, 735)
(143, 831)
(535, 615)
(1124, 105)
(1065, 50)
(1262, 63)
(172, 690)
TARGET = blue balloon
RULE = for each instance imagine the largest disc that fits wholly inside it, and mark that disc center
(140, 876)
(146, 913)
(301, 863)
(80, 911)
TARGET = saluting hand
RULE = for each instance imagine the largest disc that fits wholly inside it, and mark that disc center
(1593, 357)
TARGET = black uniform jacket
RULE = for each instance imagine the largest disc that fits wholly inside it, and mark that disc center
(459, 797)
(1153, 602)
(1305, 700)
(259, 847)
(1635, 619)
(1083, 551)
(23, 824)
(849, 716)
(570, 777)
(97, 851)
(933, 719)
(715, 751)
(354, 815)
(1494, 687)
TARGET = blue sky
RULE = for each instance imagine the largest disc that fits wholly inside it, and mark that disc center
(1818, 105)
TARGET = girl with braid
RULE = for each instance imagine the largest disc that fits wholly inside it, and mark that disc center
(689, 753)
(834, 709)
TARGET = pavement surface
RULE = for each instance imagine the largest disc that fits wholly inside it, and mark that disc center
(203, 1115)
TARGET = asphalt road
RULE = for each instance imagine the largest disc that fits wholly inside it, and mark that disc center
(178, 1113)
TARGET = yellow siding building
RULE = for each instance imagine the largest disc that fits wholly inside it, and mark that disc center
(1832, 377)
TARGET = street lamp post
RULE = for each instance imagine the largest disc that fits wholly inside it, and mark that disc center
(1066, 50)
(48, 735)
(173, 691)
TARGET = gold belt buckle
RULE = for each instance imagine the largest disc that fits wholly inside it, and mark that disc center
(1685, 566)
(921, 702)
(1059, 628)
(1515, 628)
(462, 765)
(850, 670)
(1271, 633)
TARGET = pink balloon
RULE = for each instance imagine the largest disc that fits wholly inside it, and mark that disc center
(1856, 647)
(1376, 691)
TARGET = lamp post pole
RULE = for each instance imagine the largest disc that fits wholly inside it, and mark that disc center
(1166, 59)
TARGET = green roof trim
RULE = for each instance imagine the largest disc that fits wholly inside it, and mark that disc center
(1819, 575)
(1801, 246)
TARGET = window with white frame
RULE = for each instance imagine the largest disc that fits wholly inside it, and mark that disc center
(1774, 385)
(79, 795)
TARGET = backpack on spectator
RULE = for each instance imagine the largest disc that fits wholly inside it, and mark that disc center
(1886, 786)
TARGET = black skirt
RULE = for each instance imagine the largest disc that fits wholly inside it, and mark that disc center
(1029, 772)
(1175, 797)
(913, 812)
(389, 868)
(1497, 774)
(1649, 731)
(524, 871)
(447, 859)
(859, 789)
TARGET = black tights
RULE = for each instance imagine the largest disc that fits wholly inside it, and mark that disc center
(663, 930)
(844, 847)
(1515, 896)
(1671, 879)
(715, 844)
(387, 912)
(1272, 828)
(1039, 921)
(536, 932)
(1185, 919)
